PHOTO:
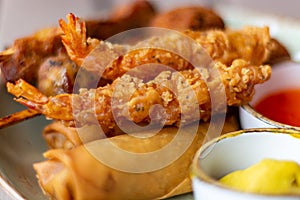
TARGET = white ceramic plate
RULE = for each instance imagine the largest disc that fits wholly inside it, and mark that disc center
(240, 150)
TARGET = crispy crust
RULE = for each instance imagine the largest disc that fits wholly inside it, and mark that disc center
(76, 174)
(97, 106)
(278, 52)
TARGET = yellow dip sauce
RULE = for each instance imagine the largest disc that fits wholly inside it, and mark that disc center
(266, 177)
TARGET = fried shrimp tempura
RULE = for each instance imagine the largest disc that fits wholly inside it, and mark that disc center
(250, 44)
(129, 98)
(24, 57)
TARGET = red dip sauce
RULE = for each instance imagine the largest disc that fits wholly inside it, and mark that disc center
(283, 107)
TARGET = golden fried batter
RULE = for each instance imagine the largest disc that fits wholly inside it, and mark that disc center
(28, 53)
(99, 105)
(250, 43)
(56, 75)
(200, 18)
(278, 52)
(24, 57)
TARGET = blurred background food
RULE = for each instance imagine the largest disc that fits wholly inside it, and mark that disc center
(20, 18)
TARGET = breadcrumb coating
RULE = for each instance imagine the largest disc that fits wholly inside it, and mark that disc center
(249, 43)
(129, 98)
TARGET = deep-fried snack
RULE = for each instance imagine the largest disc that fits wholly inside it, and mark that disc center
(239, 80)
(6, 55)
(59, 136)
(250, 43)
(24, 57)
(278, 52)
(188, 18)
(79, 47)
(200, 18)
(67, 173)
(56, 75)
(28, 53)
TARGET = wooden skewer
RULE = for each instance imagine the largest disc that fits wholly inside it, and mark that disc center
(17, 117)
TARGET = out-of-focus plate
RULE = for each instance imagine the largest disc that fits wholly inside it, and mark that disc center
(22, 145)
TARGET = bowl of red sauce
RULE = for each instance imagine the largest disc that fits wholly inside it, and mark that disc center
(276, 103)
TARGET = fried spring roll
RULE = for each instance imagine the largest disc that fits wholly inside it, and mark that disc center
(76, 173)
(58, 135)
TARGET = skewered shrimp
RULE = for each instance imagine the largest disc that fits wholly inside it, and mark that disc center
(250, 44)
(168, 89)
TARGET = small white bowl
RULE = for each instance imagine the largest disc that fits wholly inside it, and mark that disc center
(285, 75)
(239, 150)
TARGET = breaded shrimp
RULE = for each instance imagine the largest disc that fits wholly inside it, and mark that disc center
(129, 98)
